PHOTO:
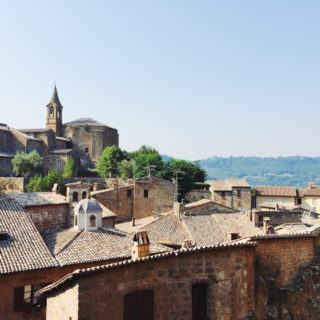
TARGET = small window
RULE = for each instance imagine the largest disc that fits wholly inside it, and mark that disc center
(76, 220)
(75, 196)
(238, 204)
(51, 111)
(223, 195)
(86, 150)
(59, 163)
(4, 236)
(92, 221)
(299, 201)
(84, 195)
(284, 201)
(239, 193)
(199, 301)
(223, 203)
(234, 236)
(146, 193)
(129, 193)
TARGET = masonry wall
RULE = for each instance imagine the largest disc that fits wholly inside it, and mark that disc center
(117, 201)
(228, 272)
(49, 217)
(226, 200)
(160, 196)
(280, 217)
(278, 261)
(14, 184)
(6, 167)
(280, 200)
(196, 195)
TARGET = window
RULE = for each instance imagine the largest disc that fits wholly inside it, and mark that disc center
(129, 193)
(138, 305)
(274, 200)
(4, 236)
(86, 150)
(223, 195)
(223, 203)
(238, 204)
(284, 201)
(299, 201)
(239, 193)
(75, 196)
(92, 221)
(24, 297)
(59, 163)
(51, 112)
(58, 114)
(200, 301)
(84, 195)
(267, 200)
(234, 236)
(146, 193)
(76, 220)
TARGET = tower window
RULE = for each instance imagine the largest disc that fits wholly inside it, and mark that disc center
(84, 195)
(75, 196)
(51, 111)
(92, 221)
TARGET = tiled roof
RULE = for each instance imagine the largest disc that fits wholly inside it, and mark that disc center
(288, 228)
(6, 155)
(38, 198)
(106, 212)
(214, 206)
(314, 191)
(88, 205)
(202, 229)
(125, 263)
(72, 247)
(300, 192)
(86, 121)
(276, 191)
(35, 130)
(57, 151)
(219, 185)
(238, 183)
(25, 249)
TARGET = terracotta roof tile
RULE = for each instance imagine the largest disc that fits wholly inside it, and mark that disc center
(276, 191)
(30, 199)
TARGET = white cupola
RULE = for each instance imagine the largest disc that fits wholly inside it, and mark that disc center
(87, 215)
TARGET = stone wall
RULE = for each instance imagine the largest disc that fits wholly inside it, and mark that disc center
(225, 200)
(14, 184)
(49, 217)
(227, 272)
(196, 195)
(6, 167)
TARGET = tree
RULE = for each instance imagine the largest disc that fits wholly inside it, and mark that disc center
(27, 164)
(34, 184)
(39, 183)
(69, 169)
(126, 168)
(108, 164)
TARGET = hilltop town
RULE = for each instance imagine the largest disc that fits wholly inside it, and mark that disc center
(109, 247)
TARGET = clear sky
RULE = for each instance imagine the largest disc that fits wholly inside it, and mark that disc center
(191, 78)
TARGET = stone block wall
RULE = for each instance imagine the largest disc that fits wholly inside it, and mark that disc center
(14, 184)
(196, 195)
(49, 217)
(228, 273)
(217, 196)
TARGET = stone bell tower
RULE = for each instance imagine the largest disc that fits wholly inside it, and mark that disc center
(54, 114)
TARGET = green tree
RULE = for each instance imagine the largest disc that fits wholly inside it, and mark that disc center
(27, 164)
(126, 168)
(35, 184)
(108, 164)
(69, 169)
(39, 183)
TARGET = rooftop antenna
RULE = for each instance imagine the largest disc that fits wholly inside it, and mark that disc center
(177, 186)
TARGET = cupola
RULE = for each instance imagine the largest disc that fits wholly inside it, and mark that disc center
(87, 215)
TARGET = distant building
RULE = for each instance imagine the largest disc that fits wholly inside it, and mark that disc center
(234, 193)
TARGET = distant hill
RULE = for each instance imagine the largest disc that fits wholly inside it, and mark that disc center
(290, 171)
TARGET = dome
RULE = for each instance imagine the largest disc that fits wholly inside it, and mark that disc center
(88, 205)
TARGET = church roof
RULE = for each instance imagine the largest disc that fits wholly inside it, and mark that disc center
(55, 98)
(86, 122)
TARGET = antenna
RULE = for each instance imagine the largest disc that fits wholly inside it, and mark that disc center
(177, 186)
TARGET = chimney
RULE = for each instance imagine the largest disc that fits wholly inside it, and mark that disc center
(95, 186)
(310, 185)
(266, 224)
(55, 188)
(141, 245)
(179, 208)
(255, 217)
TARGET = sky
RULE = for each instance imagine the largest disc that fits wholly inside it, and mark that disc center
(193, 79)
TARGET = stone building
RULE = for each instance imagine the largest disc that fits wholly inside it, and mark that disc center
(138, 199)
(82, 138)
(235, 193)
(265, 277)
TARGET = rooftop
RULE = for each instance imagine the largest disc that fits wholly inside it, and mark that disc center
(276, 191)
(228, 184)
(31, 199)
(86, 122)
(24, 248)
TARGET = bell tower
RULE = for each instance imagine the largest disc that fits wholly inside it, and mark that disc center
(54, 114)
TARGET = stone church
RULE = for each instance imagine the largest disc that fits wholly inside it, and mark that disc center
(83, 139)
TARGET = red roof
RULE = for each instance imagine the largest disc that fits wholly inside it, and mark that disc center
(276, 191)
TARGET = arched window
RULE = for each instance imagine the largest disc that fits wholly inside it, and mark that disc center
(84, 195)
(75, 196)
(51, 112)
(138, 305)
(76, 220)
(92, 221)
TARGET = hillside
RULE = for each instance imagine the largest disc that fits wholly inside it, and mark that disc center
(292, 171)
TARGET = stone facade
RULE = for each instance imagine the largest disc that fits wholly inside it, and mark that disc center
(11, 184)
(196, 195)
(50, 217)
(139, 199)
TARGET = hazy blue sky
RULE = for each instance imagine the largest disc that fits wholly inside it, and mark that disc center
(191, 78)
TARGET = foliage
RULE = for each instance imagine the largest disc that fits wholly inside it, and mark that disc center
(109, 161)
(283, 171)
(126, 168)
(69, 170)
(39, 183)
(27, 164)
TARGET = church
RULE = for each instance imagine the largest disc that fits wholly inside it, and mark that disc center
(83, 139)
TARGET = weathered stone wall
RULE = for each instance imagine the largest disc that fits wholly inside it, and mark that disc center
(49, 217)
(228, 273)
(242, 203)
(196, 195)
(217, 196)
(6, 167)
(280, 217)
(14, 184)
(160, 196)
(117, 200)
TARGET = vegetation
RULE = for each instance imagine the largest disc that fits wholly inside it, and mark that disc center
(69, 169)
(115, 162)
(39, 183)
(283, 171)
(27, 164)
